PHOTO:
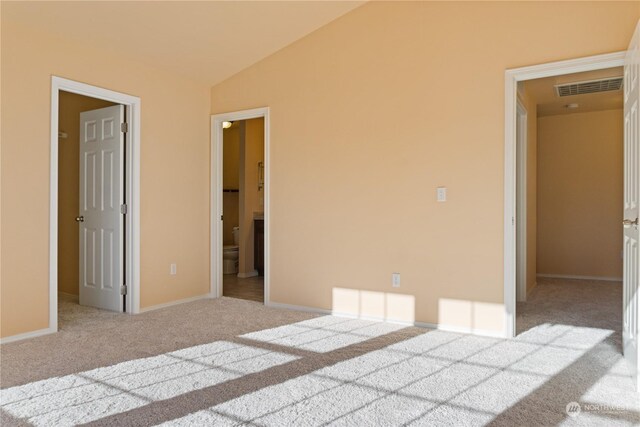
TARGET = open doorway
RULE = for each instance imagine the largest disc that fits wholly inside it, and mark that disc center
(243, 209)
(94, 216)
(594, 302)
(570, 201)
(87, 155)
(240, 190)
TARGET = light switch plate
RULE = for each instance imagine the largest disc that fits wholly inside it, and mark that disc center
(395, 280)
(173, 270)
(441, 194)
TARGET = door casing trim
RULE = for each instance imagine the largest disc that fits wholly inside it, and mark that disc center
(215, 289)
(132, 185)
(521, 201)
(512, 77)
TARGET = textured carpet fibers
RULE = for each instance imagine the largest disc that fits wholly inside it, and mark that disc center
(231, 362)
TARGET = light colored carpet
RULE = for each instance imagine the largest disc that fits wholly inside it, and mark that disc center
(233, 362)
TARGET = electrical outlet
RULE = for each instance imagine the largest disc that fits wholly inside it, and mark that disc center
(395, 280)
(173, 270)
(441, 193)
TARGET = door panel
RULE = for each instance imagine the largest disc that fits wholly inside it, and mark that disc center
(89, 257)
(101, 194)
(631, 253)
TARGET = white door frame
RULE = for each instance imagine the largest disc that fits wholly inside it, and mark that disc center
(215, 290)
(512, 77)
(132, 185)
(521, 201)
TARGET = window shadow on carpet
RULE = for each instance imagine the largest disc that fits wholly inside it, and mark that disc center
(331, 370)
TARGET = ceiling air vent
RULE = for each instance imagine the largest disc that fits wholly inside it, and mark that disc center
(591, 86)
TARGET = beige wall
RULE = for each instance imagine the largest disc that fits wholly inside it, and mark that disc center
(251, 199)
(231, 207)
(370, 114)
(231, 157)
(230, 181)
(580, 166)
(365, 125)
(70, 107)
(174, 170)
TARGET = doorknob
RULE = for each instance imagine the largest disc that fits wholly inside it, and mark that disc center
(630, 222)
(80, 218)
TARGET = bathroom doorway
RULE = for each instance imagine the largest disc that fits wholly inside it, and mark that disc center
(242, 218)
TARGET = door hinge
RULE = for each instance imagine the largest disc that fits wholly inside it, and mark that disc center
(123, 290)
(124, 127)
(221, 217)
(123, 209)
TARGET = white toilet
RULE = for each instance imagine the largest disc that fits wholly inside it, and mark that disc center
(230, 254)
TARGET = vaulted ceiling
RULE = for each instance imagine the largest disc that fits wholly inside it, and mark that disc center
(207, 41)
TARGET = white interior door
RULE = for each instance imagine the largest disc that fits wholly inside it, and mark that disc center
(100, 218)
(631, 280)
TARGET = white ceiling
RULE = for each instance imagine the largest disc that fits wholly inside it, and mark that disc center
(207, 41)
(549, 104)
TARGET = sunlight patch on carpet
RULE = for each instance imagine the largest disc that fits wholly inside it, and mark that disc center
(324, 334)
(94, 394)
(435, 378)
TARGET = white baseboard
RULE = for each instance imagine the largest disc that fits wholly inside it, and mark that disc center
(172, 303)
(440, 327)
(569, 276)
(27, 335)
(298, 308)
(48, 331)
(461, 329)
(253, 273)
